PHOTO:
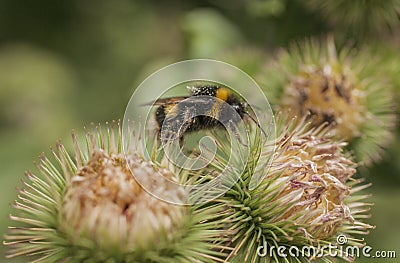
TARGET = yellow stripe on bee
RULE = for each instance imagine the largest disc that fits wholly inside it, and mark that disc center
(222, 94)
(215, 110)
(171, 110)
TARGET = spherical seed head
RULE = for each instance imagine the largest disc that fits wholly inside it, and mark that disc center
(312, 173)
(93, 209)
(106, 204)
(343, 88)
(330, 93)
(305, 199)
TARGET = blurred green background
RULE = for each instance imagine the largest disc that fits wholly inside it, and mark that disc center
(65, 64)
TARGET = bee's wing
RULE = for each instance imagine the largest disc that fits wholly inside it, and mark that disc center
(166, 101)
(176, 100)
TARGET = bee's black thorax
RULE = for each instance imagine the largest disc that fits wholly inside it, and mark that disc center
(207, 90)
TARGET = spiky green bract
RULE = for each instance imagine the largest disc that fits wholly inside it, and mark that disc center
(359, 17)
(344, 87)
(87, 207)
(389, 51)
(307, 198)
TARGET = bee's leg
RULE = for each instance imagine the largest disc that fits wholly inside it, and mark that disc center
(182, 142)
(171, 130)
(166, 135)
(176, 130)
(233, 128)
(184, 127)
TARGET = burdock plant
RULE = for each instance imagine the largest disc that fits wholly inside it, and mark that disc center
(307, 198)
(87, 207)
(338, 86)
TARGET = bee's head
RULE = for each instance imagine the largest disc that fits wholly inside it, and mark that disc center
(239, 106)
(242, 108)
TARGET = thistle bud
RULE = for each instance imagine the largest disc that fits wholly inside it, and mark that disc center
(92, 209)
(342, 88)
(305, 199)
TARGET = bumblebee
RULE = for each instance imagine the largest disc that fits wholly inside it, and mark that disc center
(206, 107)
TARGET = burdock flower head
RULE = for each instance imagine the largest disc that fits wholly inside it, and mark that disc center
(307, 198)
(341, 88)
(92, 208)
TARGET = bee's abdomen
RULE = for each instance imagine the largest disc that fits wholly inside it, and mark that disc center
(203, 122)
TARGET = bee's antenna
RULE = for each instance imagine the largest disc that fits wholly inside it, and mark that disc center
(255, 121)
